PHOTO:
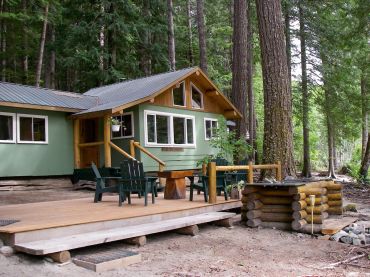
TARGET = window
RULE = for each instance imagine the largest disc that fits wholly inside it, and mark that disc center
(32, 128)
(210, 127)
(166, 129)
(127, 126)
(196, 98)
(7, 128)
(178, 95)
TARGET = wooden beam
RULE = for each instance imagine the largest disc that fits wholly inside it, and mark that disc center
(119, 150)
(132, 148)
(107, 134)
(212, 93)
(231, 167)
(230, 114)
(250, 173)
(149, 154)
(212, 183)
(76, 142)
(89, 144)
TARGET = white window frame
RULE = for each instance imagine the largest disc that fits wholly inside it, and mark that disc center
(205, 127)
(170, 131)
(13, 115)
(132, 124)
(191, 97)
(33, 116)
(183, 96)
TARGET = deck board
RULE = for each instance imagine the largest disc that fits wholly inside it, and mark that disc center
(43, 215)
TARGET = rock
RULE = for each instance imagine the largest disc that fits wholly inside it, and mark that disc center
(346, 239)
(346, 229)
(7, 251)
(362, 238)
(338, 235)
(356, 241)
(353, 235)
(350, 208)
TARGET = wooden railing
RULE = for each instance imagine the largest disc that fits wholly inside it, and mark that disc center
(136, 144)
(213, 168)
(121, 151)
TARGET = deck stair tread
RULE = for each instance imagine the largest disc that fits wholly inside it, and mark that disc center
(43, 247)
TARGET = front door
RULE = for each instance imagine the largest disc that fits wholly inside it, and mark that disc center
(89, 133)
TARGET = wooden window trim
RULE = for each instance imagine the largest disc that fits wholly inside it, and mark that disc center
(13, 115)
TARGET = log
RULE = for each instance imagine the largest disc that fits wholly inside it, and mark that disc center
(60, 257)
(227, 222)
(299, 214)
(318, 200)
(275, 192)
(276, 200)
(254, 222)
(276, 217)
(276, 208)
(299, 205)
(254, 205)
(252, 214)
(307, 190)
(335, 210)
(334, 186)
(299, 196)
(244, 199)
(335, 196)
(317, 219)
(307, 228)
(249, 189)
(192, 230)
(298, 224)
(277, 225)
(253, 196)
(333, 191)
(139, 241)
(332, 203)
(317, 209)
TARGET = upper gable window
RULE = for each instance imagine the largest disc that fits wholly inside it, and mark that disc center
(178, 95)
(196, 98)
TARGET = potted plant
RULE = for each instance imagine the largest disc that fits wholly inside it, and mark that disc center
(234, 190)
(115, 125)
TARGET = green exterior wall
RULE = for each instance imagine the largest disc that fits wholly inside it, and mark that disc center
(54, 158)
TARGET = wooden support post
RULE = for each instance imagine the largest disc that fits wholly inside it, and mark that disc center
(227, 222)
(76, 142)
(250, 173)
(139, 241)
(132, 148)
(212, 182)
(107, 134)
(192, 230)
(60, 257)
(278, 172)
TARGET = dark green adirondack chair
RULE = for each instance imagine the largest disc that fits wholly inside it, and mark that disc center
(202, 184)
(133, 180)
(101, 184)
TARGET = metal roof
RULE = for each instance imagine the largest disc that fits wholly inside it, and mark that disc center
(122, 93)
(22, 94)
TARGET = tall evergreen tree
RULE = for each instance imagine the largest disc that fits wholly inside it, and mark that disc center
(202, 36)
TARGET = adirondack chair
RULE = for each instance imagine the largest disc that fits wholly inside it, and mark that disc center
(101, 184)
(240, 175)
(202, 184)
(133, 180)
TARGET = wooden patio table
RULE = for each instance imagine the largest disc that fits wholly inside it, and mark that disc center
(175, 183)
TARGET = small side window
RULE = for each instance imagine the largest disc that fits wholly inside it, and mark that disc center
(7, 128)
(210, 127)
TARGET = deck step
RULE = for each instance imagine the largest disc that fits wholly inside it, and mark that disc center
(43, 247)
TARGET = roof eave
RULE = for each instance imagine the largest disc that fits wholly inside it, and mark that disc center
(39, 107)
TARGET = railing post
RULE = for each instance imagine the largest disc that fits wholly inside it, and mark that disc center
(107, 133)
(204, 169)
(212, 193)
(76, 143)
(132, 148)
(250, 173)
(278, 172)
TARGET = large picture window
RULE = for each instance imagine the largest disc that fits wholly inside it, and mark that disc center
(210, 127)
(127, 126)
(196, 98)
(32, 128)
(166, 129)
(7, 128)
(178, 95)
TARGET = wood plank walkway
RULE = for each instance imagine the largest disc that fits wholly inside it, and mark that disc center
(52, 214)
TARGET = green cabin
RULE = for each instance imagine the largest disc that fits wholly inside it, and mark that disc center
(166, 121)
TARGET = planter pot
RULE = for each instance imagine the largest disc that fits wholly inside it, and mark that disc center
(116, 128)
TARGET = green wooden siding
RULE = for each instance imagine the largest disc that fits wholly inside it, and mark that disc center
(54, 158)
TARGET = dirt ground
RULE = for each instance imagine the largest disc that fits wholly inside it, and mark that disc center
(216, 251)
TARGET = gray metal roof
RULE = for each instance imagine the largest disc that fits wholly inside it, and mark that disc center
(22, 94)
(119, 94)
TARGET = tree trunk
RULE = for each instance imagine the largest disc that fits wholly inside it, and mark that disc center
(42, 47)
(190, 34)
(25, 46)
(171, 36)
(306, 170)
(202, 36)
(146, 61)
(112, 40)
(3, 43)
(278, 130)
(102, 45)
(239, 66)
(330, 134)
(52, 59)
(287, 8)
(365, 116)
(366, 160)
(250, 93)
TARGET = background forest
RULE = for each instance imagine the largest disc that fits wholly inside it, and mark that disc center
(75, 45)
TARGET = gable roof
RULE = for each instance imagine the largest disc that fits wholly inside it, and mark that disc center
(46, 98)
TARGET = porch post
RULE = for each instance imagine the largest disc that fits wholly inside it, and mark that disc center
(76, 142)
(250, 173)
(107, 136)
(212, 182)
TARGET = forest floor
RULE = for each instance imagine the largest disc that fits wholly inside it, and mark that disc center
(216, 251)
